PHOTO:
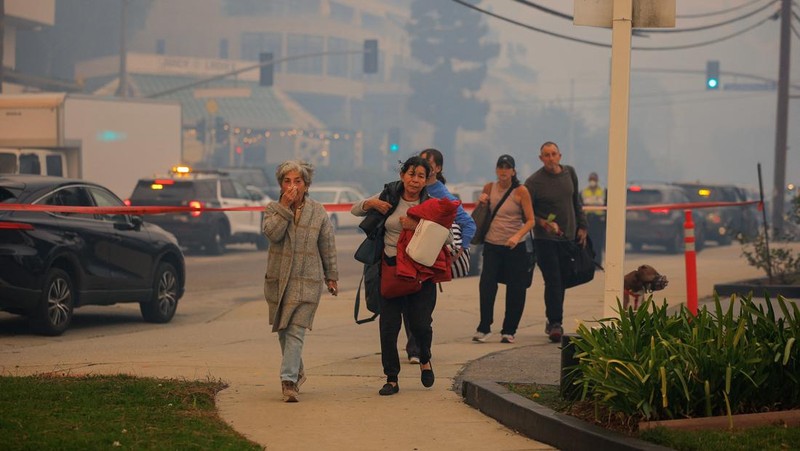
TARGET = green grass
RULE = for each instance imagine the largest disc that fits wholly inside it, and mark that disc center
(775, 437)
(126, 412)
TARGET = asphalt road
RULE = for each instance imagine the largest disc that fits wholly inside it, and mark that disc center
(238, 273)
(215, 286)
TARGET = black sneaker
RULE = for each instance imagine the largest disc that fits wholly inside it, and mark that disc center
(555, 332)
(389, 389)
(427, 377)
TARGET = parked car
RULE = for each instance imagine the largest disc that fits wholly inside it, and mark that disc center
(55, 262)
(660, 226)
(723, 224)
(331, 195)
(210, 230)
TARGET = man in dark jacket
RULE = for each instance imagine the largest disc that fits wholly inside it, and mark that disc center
(558, 216)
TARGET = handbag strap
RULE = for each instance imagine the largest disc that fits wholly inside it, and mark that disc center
(358, 305)
(503, 199)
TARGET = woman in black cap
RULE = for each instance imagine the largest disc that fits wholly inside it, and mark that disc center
(505, 258)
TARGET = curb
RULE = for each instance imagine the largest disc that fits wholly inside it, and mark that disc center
(543, 424)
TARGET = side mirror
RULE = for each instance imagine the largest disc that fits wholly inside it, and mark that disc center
(134, 222)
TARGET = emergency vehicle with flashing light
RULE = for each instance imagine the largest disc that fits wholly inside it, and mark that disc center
(211, 231)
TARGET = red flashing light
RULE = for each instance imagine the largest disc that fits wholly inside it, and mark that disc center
(660, 211)
(635, 188)
(164, 182)
(15, 226)
(127, 202)
(197, 205)
(239, 150)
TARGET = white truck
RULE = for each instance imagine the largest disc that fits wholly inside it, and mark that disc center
(110, 141)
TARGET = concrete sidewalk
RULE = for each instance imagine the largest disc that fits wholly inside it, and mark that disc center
(339, 406)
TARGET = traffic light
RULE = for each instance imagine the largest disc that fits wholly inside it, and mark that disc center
(370, 56)
(394, 140)
(712, 74)
(266, 70)
(220, 131)
(200, 130)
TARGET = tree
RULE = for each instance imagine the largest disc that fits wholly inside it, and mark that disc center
(448, 40)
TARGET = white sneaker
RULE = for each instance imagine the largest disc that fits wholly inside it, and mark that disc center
(413, 359)
(481, 337)
(506, 338)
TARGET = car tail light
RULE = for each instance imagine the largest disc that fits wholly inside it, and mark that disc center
(127, 202)
(660, 211)
(15, 226)
(195, 204)
(635, 188)
(714, 218)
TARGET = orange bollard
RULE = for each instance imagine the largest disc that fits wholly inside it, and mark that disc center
(691, 263)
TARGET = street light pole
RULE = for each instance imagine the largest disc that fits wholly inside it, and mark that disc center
(2, 42)
(122, 89)
(622, 25)
(781, 126)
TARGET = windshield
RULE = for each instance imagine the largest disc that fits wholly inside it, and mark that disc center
(645, 197)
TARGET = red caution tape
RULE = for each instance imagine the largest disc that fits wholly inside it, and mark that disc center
(147, 210)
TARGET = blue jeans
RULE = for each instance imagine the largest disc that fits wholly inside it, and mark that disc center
(291, 340)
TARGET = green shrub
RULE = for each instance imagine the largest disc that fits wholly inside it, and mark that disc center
(653, 365)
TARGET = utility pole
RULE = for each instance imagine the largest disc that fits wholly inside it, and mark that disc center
(2, 42)
(122, 89)
(781, 126)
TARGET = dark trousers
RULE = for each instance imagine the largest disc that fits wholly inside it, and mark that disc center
(418, 309)
(548, 258)
(597, 231)
(510, 266)
(411, 344)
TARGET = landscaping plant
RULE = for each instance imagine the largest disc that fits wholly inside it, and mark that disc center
(653, 365)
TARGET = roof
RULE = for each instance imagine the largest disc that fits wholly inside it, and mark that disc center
(265, 108)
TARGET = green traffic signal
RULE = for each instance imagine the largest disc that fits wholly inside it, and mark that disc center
(712, 74)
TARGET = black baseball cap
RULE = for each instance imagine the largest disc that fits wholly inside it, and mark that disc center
(506, 160)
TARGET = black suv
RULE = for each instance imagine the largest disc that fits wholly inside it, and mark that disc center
(660, 226)
(723, 224)
(53, 262)
(211, 230)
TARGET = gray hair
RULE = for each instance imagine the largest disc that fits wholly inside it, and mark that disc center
(305, 169)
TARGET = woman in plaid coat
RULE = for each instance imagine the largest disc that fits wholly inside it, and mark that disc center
(302, 255)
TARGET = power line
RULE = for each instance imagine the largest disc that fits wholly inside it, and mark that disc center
(665, 30)
(599, 44)
(548, 10)
(529, 27)
(718, 24)
(715, 13)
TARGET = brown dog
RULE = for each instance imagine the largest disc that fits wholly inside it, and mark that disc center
(644, 280)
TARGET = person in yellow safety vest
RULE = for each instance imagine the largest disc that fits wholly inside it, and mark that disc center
(595, 195)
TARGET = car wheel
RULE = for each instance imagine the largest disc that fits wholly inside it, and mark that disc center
(54, 312)
(164, 301)
(334, 223)
(262, 243)
(216, 245)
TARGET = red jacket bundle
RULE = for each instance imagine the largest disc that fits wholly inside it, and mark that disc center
(442, 212)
